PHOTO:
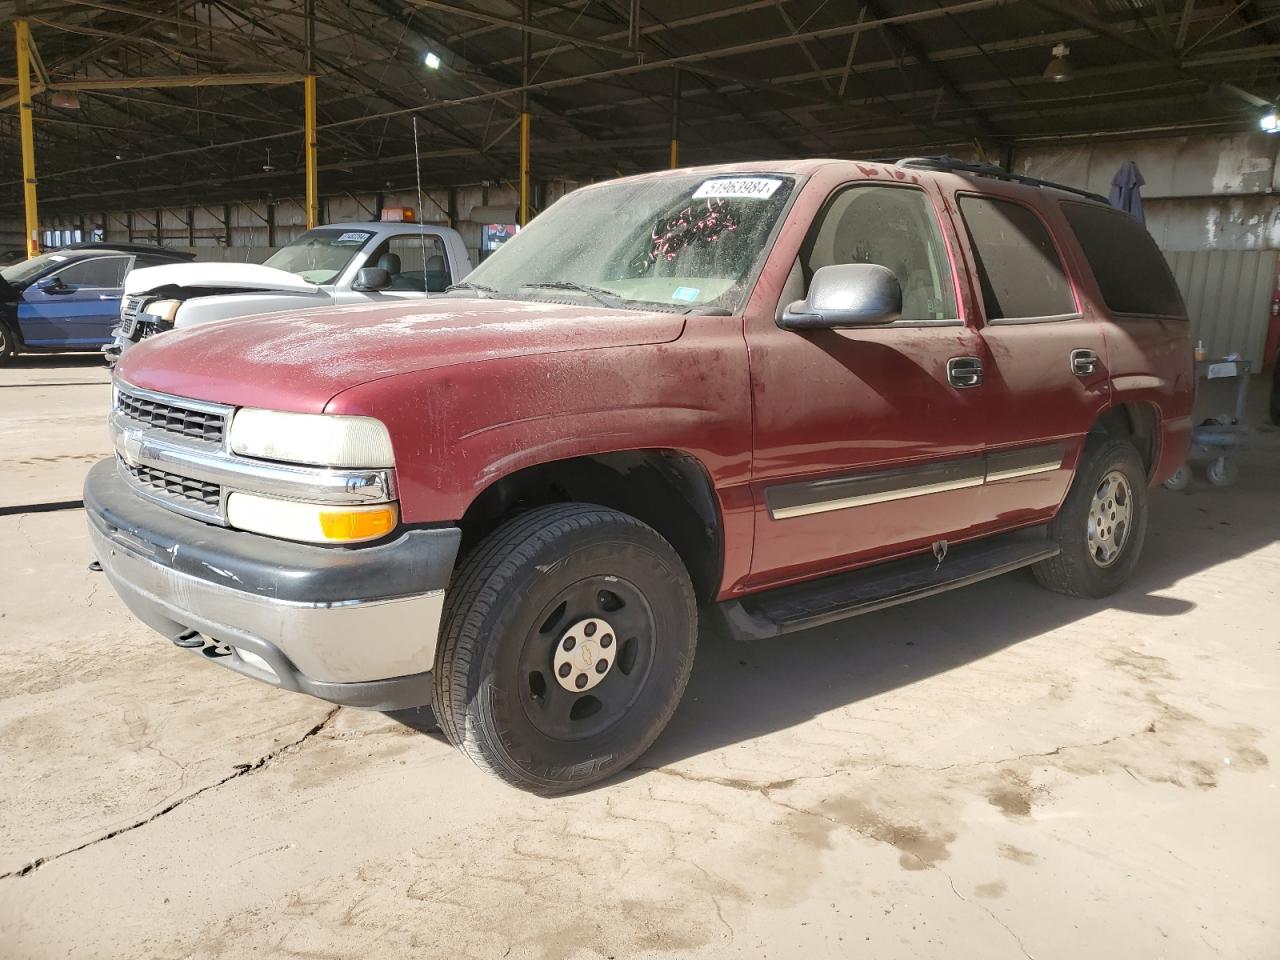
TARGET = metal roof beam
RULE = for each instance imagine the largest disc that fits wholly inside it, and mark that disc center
(982, 123)
(179, 80)
(529, 28)
(845, 29)
(1170, 59)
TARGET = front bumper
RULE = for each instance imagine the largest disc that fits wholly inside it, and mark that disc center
(356, 626)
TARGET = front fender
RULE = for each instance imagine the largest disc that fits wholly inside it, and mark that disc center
(458, 429)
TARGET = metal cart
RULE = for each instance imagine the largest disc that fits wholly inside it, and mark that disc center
(1214, 441)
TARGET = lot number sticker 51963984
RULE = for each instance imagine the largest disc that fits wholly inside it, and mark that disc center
(750, 188)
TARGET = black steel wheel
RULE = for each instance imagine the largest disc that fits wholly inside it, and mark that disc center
(567, 642)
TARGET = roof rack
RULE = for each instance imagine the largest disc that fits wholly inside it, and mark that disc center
(952, 165)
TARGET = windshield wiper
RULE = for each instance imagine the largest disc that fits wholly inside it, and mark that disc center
(606, 297)
(468, 285)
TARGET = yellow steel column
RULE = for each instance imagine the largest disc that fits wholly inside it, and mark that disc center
(675, 119)
(28, 137)
(313, 174)
(524, 168)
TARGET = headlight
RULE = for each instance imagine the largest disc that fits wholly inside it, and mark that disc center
(164, 309)
(313, 438)
(311, 522)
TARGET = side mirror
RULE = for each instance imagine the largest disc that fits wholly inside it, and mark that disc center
(51, 285)
(846, 295)
(371, 278)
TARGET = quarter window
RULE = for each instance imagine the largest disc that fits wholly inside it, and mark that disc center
(1131, 272)
(894, 227)
(1020, 271)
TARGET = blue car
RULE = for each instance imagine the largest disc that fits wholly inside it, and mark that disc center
(69, 299)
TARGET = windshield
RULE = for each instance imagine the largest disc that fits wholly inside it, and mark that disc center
(319, 256)
(676, 241)
(22, 272)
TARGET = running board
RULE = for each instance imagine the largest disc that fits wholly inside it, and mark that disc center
(843, 595)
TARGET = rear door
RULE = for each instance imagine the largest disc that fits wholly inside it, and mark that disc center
(864, 447)
(80, 309)
(1044, 361)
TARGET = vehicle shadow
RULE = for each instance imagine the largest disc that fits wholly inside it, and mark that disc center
(52, 361)
(741, 690)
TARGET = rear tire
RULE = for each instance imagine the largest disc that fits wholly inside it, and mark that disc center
(567, 641)
(1102, 523)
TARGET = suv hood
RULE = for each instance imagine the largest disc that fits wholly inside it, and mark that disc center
(299, 360)
(222, 276)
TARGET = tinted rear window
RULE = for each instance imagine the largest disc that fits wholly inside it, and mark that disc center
(1021, 273)
(1131, 272)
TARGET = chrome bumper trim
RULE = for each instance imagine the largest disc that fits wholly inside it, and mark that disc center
(350, 641)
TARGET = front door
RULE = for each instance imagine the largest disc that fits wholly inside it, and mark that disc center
(866, 446)
(74, 307)
(417, 264)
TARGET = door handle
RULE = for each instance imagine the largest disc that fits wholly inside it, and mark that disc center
(964, 372)
(1084, 363)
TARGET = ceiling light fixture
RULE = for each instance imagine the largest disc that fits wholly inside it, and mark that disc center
(431, 60)
(1270, 121)
(1060, 67)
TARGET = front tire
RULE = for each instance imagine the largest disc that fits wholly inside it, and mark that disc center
(8, 344)
(567, 641)
(1102, 523)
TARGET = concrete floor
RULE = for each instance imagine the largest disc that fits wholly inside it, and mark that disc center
(999, 772)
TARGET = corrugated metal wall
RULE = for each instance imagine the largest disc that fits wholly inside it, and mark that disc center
(248, 220)
(1228, 296)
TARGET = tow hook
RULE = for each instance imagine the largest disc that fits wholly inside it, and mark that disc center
(189, 640)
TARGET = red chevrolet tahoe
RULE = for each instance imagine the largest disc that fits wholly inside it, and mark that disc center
(783, 393)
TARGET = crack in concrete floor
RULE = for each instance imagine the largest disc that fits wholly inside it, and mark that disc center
(241, 770)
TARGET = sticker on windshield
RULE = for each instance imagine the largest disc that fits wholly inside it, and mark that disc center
(354, 237)
(688, 294)
(749, 188)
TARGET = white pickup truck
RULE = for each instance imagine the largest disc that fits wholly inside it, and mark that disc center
(338, 264)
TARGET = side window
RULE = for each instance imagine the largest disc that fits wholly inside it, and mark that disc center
(1021, 274)
(415, 262)
(100, 272)
(894, 227)
(1131, 272)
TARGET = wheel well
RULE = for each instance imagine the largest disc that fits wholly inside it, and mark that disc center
(667, 489)
(1136, 421)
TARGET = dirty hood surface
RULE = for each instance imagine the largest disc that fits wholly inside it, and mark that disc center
(299, 360)
(225, 276)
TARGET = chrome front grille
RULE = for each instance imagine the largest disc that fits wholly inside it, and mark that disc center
(172, 485)
(129, 308)
(184, 421)
(176, 452)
